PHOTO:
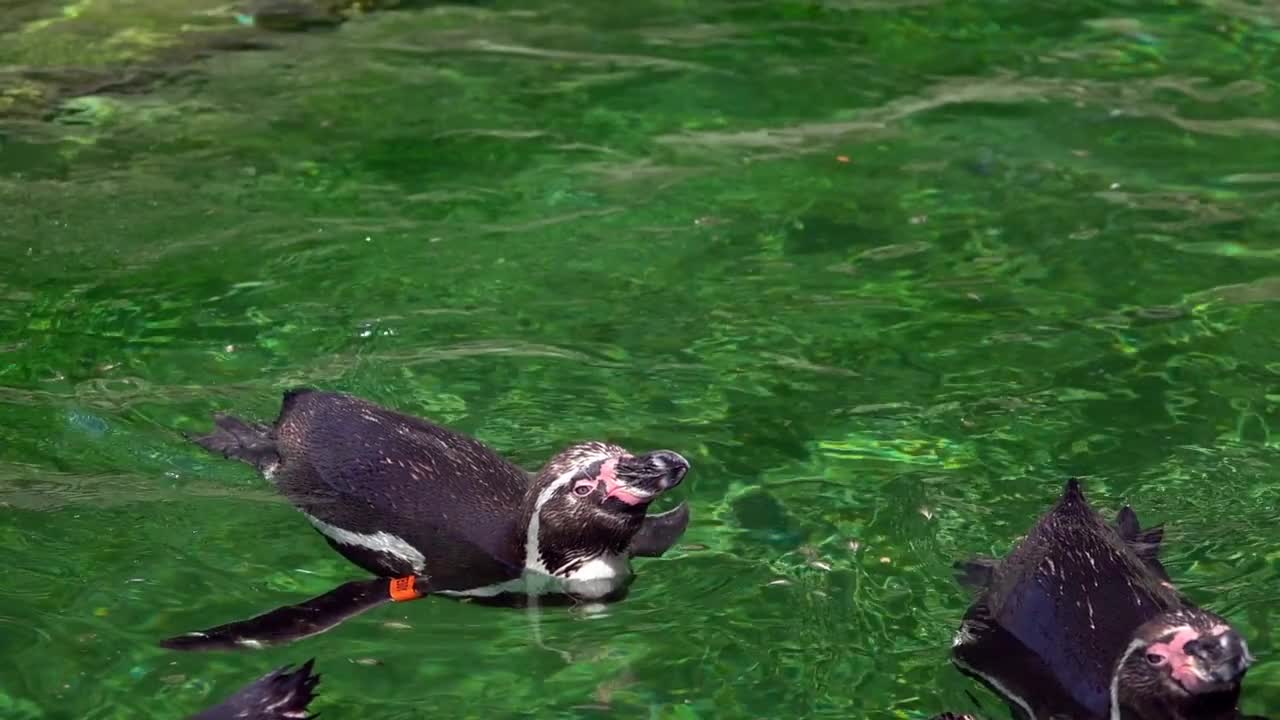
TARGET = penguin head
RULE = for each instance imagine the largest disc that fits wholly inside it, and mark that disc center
(591, 499)
(1186, 663)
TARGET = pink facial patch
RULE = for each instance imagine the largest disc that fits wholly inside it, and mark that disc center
(609, 476)
(1181, 666)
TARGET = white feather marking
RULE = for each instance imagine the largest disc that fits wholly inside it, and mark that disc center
(999, 686)
(1115, 677)
(382, 542)
(595, 578)
(598, 576)
(963, 635)
(532, 553)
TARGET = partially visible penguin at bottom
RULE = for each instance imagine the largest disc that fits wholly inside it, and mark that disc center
(432, 511)
(1080, 621)
(278, 695)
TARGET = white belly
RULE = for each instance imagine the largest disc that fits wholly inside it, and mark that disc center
(598, 577)
(595, 579)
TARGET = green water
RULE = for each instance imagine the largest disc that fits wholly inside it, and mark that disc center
(885, 272)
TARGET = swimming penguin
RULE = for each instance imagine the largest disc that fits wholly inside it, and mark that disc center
(1080, 621)
(431, 511)
(278, 695)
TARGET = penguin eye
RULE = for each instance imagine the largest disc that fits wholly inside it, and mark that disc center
(583, 489)
(1156, 660)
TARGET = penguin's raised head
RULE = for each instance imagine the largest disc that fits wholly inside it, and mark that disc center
(1186, 664)
(590, 500)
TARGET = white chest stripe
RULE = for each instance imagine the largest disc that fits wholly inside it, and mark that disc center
(383, 542)
(1115, 678)
(532, 553)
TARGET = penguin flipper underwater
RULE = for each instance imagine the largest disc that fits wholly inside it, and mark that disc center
(295, 622)
(660, 532)
(278, 695)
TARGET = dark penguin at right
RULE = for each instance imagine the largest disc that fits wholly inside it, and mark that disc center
(1081, 622)
(430, 511)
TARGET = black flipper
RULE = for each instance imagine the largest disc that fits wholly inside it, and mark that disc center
(294, 622)
(278, 695)
(988, 653)
(975, 573)
(248, 442)
(660, 532)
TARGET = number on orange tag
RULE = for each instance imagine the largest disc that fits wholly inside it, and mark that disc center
(402, 589)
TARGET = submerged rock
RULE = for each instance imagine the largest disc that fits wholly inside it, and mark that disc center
(293, 15)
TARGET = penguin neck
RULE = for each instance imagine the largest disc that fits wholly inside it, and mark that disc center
(540, 492)
(590, 561)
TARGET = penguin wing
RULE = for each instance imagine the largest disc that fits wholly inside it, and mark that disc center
(1030, 687)
(294, 622)
(277, 695)
(660, 532)
(365, 469)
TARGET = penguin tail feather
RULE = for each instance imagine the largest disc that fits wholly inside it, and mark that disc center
(234, 438)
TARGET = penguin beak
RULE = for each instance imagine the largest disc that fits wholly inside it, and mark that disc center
(1219, 661)
(639, 479)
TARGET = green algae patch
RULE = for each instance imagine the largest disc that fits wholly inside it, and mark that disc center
(59, 51)
(102, 33)
(22, 97)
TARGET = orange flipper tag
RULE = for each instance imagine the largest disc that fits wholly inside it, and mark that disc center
(402, 588)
